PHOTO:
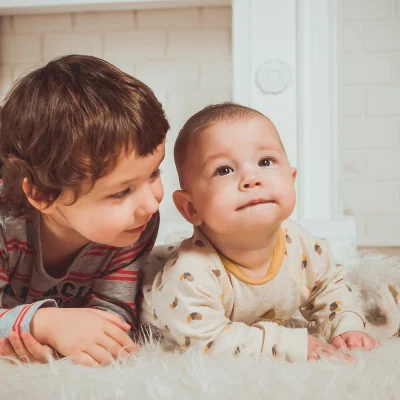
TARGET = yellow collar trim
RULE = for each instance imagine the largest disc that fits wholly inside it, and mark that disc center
(273, 269)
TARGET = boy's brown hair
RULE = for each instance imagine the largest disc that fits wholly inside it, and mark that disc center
(67, 123)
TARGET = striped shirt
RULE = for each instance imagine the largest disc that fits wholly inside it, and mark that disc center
(100, 276)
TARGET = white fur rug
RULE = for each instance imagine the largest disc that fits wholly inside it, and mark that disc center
(159, 375)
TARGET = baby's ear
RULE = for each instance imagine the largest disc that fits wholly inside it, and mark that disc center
(294, 174)
(183, 202)
(37, 201)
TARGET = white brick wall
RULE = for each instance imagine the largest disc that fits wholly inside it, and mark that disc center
(183, 54)
(370, 78)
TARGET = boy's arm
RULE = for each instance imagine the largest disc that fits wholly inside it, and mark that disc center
(116, 289)
(331, 305)
(17, 319)
(185, 303)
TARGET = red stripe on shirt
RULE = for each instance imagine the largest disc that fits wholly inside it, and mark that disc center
(23, 249)
(123, 272)
(130, 257)
(4, 312)
(15, 241)
(127, 251)
(18, 318)
(99, 250)
(118, 278)
(11, 241)
(34, 291)
(22, 316)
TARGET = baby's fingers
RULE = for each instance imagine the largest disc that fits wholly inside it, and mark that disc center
(369, 342)
(354, 342)
(6, 350)
(339, 343)
(40, 352)
(19, 347)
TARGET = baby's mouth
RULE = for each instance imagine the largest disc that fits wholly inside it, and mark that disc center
(253, 203)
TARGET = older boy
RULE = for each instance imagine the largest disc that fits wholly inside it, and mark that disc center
(81, 143)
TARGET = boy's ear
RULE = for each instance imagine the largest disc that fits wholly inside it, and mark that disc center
(294, 174)
(183, 202)
(35, 199)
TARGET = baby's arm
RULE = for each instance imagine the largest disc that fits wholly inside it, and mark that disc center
(330, 303)
(185, 303)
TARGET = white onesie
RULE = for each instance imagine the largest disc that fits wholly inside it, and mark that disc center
(201, 298)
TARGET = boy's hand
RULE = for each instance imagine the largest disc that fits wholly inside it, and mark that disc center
(24, 347)
(355, 339)
(90, 337)
(317, 349)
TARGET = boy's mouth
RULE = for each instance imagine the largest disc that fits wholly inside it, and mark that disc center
(254, 202)
(139, 229)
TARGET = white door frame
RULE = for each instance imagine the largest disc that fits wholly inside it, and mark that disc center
(285, 64)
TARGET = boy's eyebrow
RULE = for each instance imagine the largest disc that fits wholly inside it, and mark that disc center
(126, 181)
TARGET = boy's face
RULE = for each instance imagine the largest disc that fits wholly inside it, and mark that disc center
(239, 177)
(118, 207)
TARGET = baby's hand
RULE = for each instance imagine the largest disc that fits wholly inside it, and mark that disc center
(317, 349)
(355, 339)
(24, 348)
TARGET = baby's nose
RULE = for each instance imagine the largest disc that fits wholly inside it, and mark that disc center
(251, 182)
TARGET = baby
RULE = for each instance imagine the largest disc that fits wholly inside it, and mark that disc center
(247, 269)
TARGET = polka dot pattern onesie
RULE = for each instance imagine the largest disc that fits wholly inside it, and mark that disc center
(199, 298)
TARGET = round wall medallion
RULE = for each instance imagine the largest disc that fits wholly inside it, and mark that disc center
(273, 76)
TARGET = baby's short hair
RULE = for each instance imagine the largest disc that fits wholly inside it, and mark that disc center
(67, 123)
(203, 119)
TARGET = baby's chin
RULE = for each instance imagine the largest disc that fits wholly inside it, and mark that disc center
(245, 229)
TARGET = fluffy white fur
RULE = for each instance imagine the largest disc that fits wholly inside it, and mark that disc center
(156, 374)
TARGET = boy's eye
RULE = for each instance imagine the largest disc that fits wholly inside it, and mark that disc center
(121, 195)
(266, 162)
(156, 173)
(223, 170)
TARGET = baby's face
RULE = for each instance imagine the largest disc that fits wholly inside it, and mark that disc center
(239, 176)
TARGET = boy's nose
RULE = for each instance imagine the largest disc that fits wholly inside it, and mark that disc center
(148, 206)
(250, 182)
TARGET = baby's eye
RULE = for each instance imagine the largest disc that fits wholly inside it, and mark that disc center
(121, 195)
(266, 162)
(223, 170)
